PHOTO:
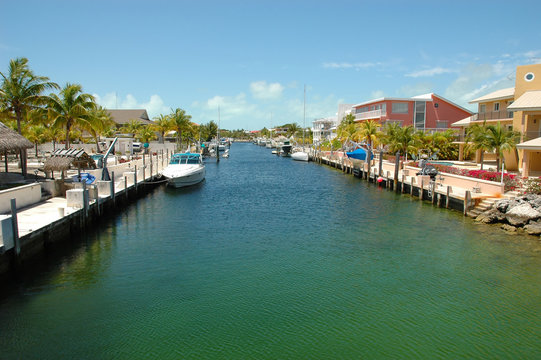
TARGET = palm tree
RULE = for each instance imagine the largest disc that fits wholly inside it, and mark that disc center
(131, 127)
(21, 91)
(37, 134)
(181, 122)
(71, 109)
(477, 135)
(369, 132)
(162, 124)
(293, 129)
(402, 139)
(501, 140)
(98, 122)
(145, 134)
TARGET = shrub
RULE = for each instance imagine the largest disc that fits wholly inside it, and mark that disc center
(531, 186)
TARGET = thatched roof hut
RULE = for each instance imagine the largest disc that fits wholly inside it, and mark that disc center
(64, 159)
(11, 140)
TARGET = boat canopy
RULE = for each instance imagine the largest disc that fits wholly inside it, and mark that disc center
(359, 154)
(185, 158)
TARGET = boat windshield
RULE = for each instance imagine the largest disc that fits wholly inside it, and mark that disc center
(185, 159)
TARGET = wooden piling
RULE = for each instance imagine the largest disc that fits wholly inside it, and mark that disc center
(15, 227)
(447, 197)
(421, 189)
(396, 169)
(467, 197)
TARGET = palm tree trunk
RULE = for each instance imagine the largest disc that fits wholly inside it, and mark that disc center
(67, 135)
(482, 158)
(22, 157)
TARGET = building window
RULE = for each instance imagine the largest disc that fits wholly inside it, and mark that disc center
(529, 76)
(496, 106)
(399, 108)
(441, 125)
(482, 108)
(361, 109)
(419, 118)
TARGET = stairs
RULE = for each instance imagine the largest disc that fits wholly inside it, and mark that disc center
(483, 206)
(487, 203)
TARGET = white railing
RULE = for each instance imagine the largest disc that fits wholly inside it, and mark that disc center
(374, 114)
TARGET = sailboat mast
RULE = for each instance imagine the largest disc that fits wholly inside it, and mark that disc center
(303, 116)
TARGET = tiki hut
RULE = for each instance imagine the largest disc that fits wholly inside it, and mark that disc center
(11, 141)
(65, 159)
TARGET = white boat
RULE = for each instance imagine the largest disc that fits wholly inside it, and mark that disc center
(299, 156)
(184, 169)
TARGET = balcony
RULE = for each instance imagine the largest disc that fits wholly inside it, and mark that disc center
(493, 115)
(368, 115)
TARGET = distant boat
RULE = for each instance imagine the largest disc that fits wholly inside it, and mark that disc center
(285, 148)
(184, 169)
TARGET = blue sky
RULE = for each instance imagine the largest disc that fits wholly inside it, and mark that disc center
(252, 58)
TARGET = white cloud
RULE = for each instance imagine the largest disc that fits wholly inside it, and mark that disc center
(154, 106)
(262, 90)
(345, 65)
(429, 72)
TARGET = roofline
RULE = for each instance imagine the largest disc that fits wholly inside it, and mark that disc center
(476, 101)
(415, 98)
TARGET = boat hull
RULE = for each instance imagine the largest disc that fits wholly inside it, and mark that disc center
(300, 156)
(186, 178)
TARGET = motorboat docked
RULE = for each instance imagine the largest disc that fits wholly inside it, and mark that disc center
(299, 156)
(184, 169)
(359, 155)
(285, 148)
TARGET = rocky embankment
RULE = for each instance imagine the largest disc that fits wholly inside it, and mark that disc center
(520, 214)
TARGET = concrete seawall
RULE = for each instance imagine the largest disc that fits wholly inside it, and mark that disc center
(49, 223)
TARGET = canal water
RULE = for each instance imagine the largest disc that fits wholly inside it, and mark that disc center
(275, 259)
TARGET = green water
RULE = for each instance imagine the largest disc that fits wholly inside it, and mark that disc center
(275, 259)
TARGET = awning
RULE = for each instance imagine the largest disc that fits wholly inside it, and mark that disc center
(463, 122)
(529, 101)
(359, 154)
(534, 144)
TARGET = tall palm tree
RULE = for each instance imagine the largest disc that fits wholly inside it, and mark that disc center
(145, 134)
(20, 91)
(402, 139)
(477, 139)
(99, 121)
(71, 108)
(181, 122)
(131, 127)
(162, 124)
(501, 140)
(368, 131)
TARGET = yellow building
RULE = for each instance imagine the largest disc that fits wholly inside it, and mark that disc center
(519, 108)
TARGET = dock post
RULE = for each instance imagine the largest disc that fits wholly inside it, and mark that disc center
(150, 167)
(467, 197)
(135, 178)
(98, 200)
(411, 186)
(396, 169)
(126, 186)
(380, 162)
(433, 193)
(144, 168)
(369, 158)
(421, 189)
(85, 199)
(15, 227)
(447, 197)
(112, 185)
(402, 185)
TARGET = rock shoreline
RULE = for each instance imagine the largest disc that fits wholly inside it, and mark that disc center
(520, 214)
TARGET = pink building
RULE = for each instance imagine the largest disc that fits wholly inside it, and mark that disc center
(429, 112)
